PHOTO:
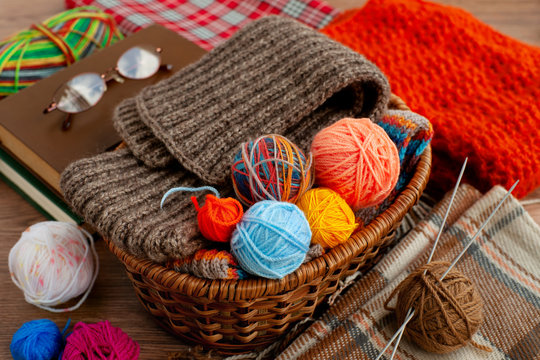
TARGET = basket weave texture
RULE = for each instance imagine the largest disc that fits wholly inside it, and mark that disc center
(235, 316)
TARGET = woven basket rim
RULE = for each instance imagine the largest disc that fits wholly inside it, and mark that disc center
(236, 289)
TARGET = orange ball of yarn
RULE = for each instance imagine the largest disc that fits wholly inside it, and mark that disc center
(447, 312)
(218, 217)
(356, 159)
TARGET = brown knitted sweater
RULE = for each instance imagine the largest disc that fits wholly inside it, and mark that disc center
(273, 76)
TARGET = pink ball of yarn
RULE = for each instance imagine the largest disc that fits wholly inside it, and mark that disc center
(99, 341)
(356, 159)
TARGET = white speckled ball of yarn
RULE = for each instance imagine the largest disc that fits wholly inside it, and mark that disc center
(52, 263)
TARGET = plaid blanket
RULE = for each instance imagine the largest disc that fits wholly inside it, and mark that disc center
(207, 23)
(504, 263)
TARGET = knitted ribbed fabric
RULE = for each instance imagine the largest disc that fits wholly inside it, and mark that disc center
(119, 196)
(297, 82)
(248, 87)
(479, 88)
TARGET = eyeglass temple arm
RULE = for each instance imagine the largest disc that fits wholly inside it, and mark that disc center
(164, 67)
(52, 106)
(67, 122)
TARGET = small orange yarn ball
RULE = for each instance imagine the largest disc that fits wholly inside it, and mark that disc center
(330, 218)
(218, 217)
(356, 159)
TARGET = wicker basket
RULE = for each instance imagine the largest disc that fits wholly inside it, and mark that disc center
(235, 316)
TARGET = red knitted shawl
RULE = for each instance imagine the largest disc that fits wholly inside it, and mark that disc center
(480, 89)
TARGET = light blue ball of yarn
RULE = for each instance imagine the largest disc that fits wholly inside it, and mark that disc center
(272, 239)
(37, 340)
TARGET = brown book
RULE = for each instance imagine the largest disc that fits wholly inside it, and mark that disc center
(37, 140)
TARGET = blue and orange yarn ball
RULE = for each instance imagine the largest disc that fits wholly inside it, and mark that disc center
(271, 168)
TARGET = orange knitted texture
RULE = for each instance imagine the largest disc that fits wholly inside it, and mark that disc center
(480, 89)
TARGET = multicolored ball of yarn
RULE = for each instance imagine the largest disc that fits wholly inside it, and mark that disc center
(37, 340)
(272, 239)
(270, 168)
(99, 341)
(330, 218)
(54, 262)
(356, 159)
(45, 48)
(218, 217)
(209, 264)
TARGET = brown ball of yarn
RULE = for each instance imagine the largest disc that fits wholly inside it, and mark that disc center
(447, 313)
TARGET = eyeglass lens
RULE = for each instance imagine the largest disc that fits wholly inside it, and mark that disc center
(139, 62)
(80, 93)
(85, 90)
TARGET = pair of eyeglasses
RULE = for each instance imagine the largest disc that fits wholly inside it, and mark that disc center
(85, 90)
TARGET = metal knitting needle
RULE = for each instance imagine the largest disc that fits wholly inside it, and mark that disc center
(479, 231)
(458, 182)
(457, 258)
(410, 313)
(397, 333)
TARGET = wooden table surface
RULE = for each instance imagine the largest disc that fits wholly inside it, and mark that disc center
(112, 297)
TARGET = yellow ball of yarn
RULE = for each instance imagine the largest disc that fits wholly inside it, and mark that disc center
(331, 219)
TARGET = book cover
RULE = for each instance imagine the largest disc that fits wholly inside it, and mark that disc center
(37, 139)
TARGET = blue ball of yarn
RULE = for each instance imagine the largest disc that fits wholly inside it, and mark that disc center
(272, 239)
(37, 340)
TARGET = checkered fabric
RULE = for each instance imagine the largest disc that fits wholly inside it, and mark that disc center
(207, 23)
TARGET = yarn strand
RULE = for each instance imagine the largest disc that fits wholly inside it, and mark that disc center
(529, 202)
(66, 327)
(188, 189)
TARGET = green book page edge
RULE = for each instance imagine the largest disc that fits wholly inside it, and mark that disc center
(33, 191)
